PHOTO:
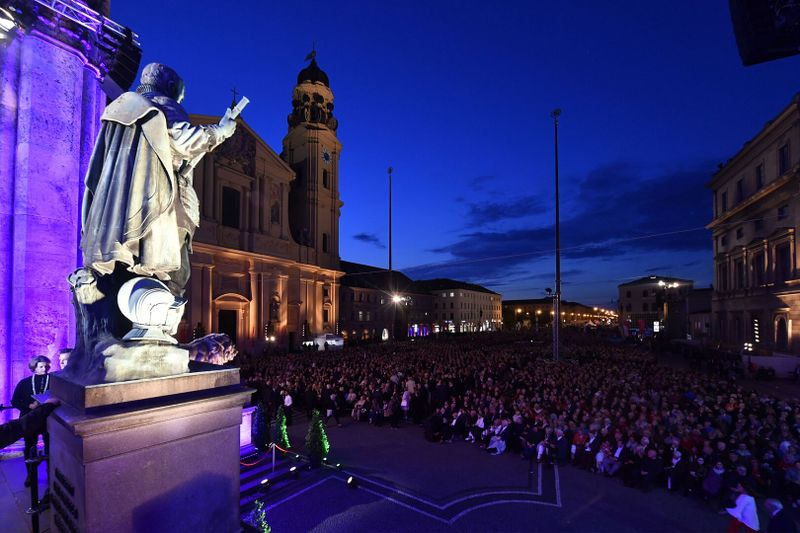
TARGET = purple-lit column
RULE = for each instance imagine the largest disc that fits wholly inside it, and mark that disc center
(50, 108)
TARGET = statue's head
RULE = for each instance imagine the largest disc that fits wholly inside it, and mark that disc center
(159, 78)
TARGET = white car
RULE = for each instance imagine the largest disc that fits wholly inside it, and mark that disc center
(329, 341)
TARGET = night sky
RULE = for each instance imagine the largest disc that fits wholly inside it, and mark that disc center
(456, 97)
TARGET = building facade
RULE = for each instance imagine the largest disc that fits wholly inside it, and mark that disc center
(266, 255)
(643, 303)
(460, 307)
(756, 295)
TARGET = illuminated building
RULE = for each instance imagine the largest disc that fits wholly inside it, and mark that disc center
(756, 296)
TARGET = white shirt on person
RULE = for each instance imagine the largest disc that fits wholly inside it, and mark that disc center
(745, 511)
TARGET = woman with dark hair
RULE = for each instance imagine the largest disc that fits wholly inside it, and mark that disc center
(23, 400)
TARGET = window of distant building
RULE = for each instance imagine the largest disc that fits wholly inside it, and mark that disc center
(723, 200)
(361, 316)
(758, 224)
(452, 295)
(738, 267)
(230, 207)
(627, 294)
(759, 176)
(326, 180)
(325, 316)
(758, 269)
(275, 213)
(644, 293)
(326, 292)
(783, 212)
(645, 307)
(722, 276)
(325, 242)
(628, 307)
(723, 240)
(451, 305)
(739, 191)
(783, 159)
(739, 233)
(783, 262)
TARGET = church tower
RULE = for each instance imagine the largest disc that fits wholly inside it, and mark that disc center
(312, 150)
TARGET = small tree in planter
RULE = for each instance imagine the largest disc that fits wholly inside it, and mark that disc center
(258, 518)
(281, 434)
(260, 428)
(317, 440)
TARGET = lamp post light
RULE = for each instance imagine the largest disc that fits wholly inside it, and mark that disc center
(557, 296)
(538, 312)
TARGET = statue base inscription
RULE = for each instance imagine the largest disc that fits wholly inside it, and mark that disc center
(149, 455)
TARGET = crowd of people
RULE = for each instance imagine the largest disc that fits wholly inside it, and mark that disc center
(609, 409)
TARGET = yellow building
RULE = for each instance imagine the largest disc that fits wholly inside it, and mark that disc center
(756, 296)
(265, 261)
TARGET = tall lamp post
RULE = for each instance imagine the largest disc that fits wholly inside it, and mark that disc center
(555, 114)
(392, 295)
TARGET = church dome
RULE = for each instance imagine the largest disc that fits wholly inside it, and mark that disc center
(312, 73)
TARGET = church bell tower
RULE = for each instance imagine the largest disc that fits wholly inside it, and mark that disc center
(312, 149)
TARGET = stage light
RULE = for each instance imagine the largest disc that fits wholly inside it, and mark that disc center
(338, 466)
(264, 484)
(351, 482)
(294, 472)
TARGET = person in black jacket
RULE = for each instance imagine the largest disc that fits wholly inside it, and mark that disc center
(781, 520)
(23, 400)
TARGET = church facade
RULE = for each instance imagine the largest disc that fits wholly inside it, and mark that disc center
(265, 259)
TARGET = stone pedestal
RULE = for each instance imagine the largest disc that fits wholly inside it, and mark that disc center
(151, 455)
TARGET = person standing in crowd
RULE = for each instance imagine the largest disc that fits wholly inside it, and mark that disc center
(744, 512)
(23, 400)
(781, 520)
(287, 407)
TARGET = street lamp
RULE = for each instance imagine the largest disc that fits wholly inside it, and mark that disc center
(557, 296)
(391, 284)
(538, 312)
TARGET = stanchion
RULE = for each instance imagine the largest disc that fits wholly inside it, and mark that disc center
(37, 506)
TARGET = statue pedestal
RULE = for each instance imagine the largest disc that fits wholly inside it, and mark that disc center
(151, 455)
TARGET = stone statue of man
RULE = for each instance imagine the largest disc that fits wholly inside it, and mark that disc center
(140, 209)
(140, 212)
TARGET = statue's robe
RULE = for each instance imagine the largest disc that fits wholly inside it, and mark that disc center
(138, 210)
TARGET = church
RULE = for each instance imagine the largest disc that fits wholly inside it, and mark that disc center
(265, 259)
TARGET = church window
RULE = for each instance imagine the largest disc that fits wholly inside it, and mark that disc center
(275, 213)
(325, 242)
(325, 316)
(231, 203)
(326, 180)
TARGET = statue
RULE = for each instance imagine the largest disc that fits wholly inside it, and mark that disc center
(139, 214)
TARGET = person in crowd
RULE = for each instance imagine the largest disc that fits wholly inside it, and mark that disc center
(781, 520)
(744, 513)
(63, 358)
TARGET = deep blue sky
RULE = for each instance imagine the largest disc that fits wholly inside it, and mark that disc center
(456, 96)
